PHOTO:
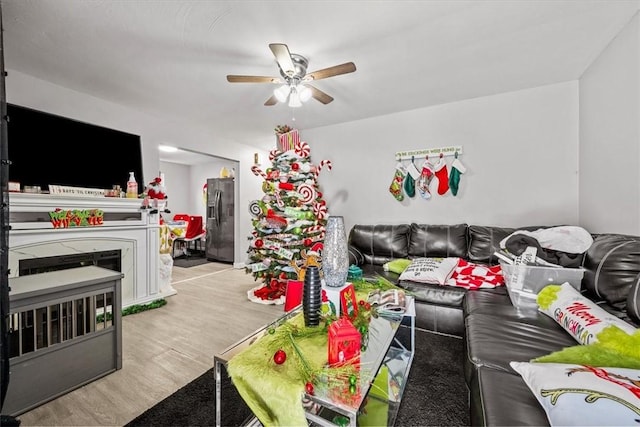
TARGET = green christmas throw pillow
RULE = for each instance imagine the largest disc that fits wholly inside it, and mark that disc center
(579, 316)
(614, 348)
(612, 342)
(397, 265)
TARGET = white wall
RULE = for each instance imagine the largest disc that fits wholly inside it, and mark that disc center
(610, 137)
(520, 150)
(28, 91)
(175, 176)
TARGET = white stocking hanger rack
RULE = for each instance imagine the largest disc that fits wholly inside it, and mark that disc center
(431, 152)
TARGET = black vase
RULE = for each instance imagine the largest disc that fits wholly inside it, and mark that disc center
(312, 296)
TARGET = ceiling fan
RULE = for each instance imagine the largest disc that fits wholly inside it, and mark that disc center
(294, 78)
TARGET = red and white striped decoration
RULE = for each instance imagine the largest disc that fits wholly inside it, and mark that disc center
(322, 163)
(288, 141)
(320, 210)
(307, 193)
(258, 172)
(279, 200)
(273, 154)
(302, 149)
(313, 229)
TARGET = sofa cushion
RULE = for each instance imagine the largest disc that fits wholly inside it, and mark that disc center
(499, 398)
(438, 241)
(484, 241)
(434, 294)
(380, 243)
(371, 272)
(612, 266)
(496, 339)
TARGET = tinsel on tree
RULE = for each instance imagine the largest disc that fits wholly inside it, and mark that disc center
(289, 221)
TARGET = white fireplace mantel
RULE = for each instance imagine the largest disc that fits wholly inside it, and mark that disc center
(127, 227)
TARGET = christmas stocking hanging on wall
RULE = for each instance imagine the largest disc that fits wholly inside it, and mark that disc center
(396, 185)
(457, 169)
(442, 175)
(410, 180)
(425, 179)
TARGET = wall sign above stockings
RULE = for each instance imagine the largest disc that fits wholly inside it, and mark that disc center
(426, 172)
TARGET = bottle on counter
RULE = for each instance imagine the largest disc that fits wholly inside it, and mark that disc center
(132, 187)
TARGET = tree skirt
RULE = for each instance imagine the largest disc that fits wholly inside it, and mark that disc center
(251, 294)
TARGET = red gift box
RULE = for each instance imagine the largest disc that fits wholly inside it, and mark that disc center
(293, 294)
(344, 342)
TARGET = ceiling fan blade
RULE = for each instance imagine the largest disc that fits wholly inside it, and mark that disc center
(347, 67)
(252, 79)
(320, 95)
(271, 101)
(283, 57)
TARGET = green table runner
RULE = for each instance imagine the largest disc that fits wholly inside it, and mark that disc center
(273, 392)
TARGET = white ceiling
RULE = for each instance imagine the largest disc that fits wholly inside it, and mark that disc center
(171, 58)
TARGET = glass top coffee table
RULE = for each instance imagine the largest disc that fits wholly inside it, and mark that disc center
(390, 350)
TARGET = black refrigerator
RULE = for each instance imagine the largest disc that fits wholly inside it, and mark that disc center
(220, 219)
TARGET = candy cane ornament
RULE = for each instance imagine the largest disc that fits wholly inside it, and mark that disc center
(258, 172)
(279, 200)
(321, 165)
(313, 229)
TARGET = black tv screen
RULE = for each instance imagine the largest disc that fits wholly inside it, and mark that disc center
(46, 149)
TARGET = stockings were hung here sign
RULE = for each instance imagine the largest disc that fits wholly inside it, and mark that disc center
(430, 179)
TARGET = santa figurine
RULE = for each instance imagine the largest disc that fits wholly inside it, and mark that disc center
(156, 197)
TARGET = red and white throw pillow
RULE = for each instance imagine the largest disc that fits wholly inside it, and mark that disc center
(475, 276)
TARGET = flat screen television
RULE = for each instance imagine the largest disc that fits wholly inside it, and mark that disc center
(46, 149)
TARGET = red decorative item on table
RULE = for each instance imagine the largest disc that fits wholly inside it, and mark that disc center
(344, 342)
(348, 304)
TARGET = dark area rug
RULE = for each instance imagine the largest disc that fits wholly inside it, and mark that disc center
(435, 395)
(189, 261)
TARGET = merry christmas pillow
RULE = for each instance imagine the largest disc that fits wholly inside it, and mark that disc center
(578, 395)
(579, 316)
(430, 270)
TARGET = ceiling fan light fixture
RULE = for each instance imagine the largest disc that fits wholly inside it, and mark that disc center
(294, 99)
(304, 93)
(282, 93)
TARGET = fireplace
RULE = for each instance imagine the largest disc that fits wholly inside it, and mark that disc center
(110, 259)
(127, 241)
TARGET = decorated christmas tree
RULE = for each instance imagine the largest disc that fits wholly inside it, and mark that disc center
(289, 221)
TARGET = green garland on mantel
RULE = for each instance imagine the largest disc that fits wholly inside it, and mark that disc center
(133, 309)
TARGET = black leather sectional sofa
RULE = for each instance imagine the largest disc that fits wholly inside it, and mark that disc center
(494, 332)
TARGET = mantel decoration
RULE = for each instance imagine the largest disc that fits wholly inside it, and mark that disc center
(289, 220)
(155, 196)
(69, 218)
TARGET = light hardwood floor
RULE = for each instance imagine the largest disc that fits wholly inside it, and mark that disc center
(164, 349)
